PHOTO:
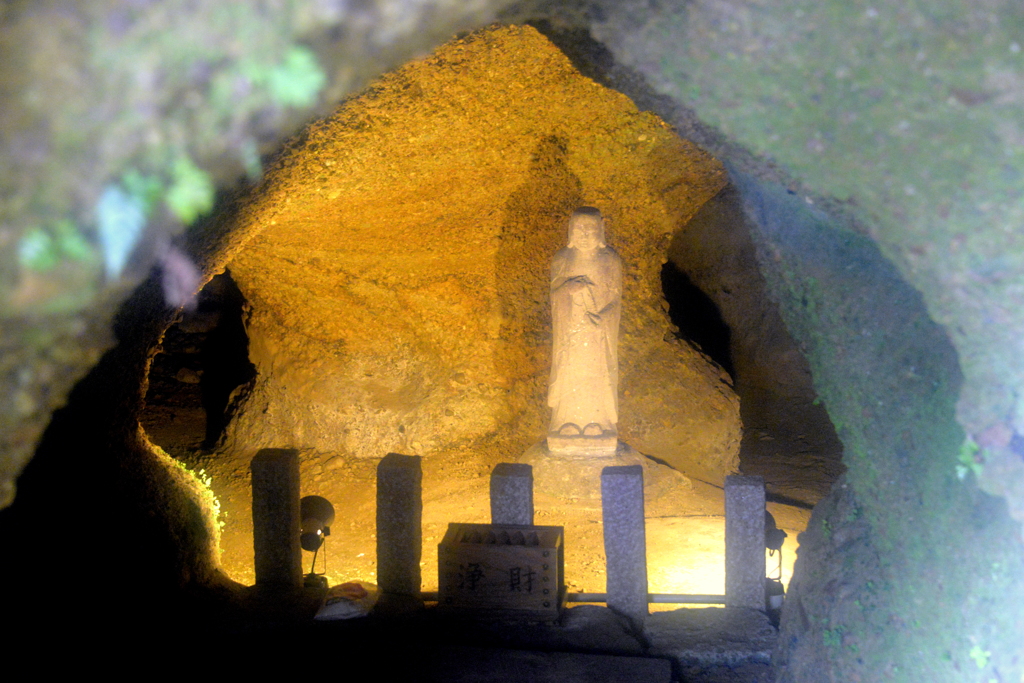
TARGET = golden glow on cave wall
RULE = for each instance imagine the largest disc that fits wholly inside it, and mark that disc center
(397, 293)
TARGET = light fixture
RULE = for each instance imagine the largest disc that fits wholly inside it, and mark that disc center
(775, 592)
(317, 515)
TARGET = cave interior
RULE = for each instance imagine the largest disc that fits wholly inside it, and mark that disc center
(383, 289)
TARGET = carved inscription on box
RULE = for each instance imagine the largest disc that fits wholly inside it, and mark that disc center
(505, 569)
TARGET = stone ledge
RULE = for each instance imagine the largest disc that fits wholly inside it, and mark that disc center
(714, 636)
(484, 665)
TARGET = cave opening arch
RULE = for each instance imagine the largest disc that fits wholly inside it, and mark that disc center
(556, 187)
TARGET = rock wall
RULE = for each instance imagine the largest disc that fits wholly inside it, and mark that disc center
(865, 139)
(892, 118)
(906, 115)
(123, 119)
(398, 276)
(788, 437)
(889, 377)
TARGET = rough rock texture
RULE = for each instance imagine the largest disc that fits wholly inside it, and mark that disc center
(159, 102)
(788, 437)
(906, 122)
(711, 636)
(398, 273)
(889, 376)
(908, 113)
(898, 113)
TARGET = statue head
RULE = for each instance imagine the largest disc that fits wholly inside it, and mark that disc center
(586, 229)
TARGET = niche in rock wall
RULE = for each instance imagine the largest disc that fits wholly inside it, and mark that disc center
(398, 271)
(200, 369)
(718, 299)
(395, 267)
(696, 316)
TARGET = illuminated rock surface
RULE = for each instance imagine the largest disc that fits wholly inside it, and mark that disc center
(899, 122)
(397, 276)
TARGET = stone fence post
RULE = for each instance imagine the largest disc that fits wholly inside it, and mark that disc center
(399, 524)
(275, 518)
(512, 494)
(625, 541)
(744, 542)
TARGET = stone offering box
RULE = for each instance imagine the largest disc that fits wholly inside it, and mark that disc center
(502, 570)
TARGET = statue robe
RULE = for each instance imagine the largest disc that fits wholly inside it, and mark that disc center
(583, 388)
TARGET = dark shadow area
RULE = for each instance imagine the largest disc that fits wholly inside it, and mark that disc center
(788, 436)
(696, 315)
(202, 363)
(100, 525)
(591, 58)
(224, 353)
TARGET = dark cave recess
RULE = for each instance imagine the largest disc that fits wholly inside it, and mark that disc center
(697, 317)
(201, 367)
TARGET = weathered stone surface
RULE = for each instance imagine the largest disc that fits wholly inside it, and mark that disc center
(399, 286)
(275, 518)
(943, 93)
(782, 417)
(712, 636)
(744, 542)
(512, 494)
(578, 478)
(586, 304)
(596, 628)
(959, 248)
(860, 277)
(399, 524)
(131, 66)
(625, 541)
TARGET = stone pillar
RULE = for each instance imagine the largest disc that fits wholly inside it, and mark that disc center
(275, 518)
(399, 524)
(625, 541)
(744, 542)
(512, 494)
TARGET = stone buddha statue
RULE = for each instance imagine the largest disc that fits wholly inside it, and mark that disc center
(586, 292)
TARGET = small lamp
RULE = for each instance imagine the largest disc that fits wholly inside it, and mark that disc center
(773, 540)
(317, 515)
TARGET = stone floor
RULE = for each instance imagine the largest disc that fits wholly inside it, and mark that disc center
(589, 643)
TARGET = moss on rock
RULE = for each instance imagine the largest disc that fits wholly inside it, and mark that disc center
(186, 94)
